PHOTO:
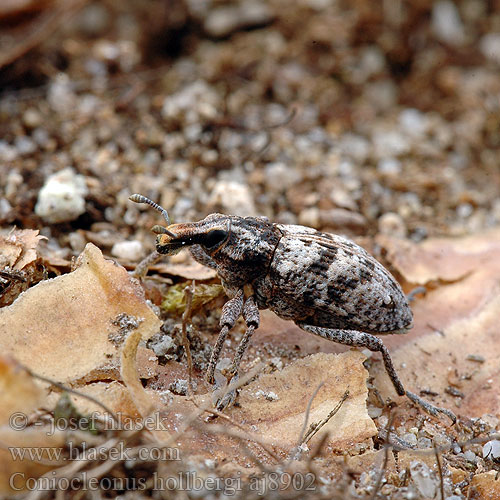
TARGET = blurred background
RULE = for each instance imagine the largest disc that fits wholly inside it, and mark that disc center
(356, 117)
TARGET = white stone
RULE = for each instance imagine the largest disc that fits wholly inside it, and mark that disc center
(222, 21)
(61, 96)
(447, 24)
(423, 479)
(355, 146)
(491, 449)
(389, 166)
(490, 46)
(390, 142)
(413, 122)
(194, 102)
(166, 345)
(392, 224)
(234, 197)
(128, 250)
(62, 197)
(280, 176)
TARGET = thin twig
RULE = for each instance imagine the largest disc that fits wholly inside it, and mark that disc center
(314, 428)
(440, 470)
(202, 408)
(72, 391)
(189, 292)
(242, 437)
(307, 413)
(223, 416)
(387, 446)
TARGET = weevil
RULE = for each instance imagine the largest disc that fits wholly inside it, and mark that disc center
(327, 284)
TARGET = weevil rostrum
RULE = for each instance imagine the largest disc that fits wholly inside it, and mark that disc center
(327, 284)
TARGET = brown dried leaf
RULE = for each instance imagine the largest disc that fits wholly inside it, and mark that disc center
(114, 394)
(18, 391)
(453, 321)
(485, 486)
(19, 397)
(19, 248)
(446, 259)
(190, 271)
(16, 472)
(61, 328)
(130, 375)
(280, 422)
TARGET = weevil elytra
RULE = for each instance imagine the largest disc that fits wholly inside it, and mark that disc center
(326, 284)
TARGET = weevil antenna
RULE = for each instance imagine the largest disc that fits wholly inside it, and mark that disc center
(139, 198)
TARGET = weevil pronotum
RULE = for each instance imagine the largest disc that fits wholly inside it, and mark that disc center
(326, 284)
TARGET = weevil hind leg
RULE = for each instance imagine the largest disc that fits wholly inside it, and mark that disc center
(361, 339)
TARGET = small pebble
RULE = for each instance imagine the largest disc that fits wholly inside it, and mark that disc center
(32, 118)
(490, 46)
(128, 250)
(491, 450)
(423, 479)
(470, 456)
(77, 241)
(389, 166)
(180, 387)
(25, 145)
(222, 21)
(164, 346)
(446, 23)
(233, 197)
(392, 224)
(410, 438)
(5, 208)
(374, 411)
(62, 197)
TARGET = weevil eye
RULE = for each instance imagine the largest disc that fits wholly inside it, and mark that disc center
(214, 237)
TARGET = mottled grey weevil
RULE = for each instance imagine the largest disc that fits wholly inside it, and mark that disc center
(327, 284)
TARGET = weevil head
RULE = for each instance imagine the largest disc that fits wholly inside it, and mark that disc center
(241, 247)
(211, 233)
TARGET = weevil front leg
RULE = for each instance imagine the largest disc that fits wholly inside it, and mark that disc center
(361, 339)
(231, 311)
(251, 316)
(142, 268)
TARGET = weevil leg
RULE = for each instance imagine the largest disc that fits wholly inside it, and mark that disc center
(199, 255)
(361, 339)
(251, 316)
(142, 268)
(231, 311)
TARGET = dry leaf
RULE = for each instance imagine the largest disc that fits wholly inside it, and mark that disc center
(19, 248)
(66, 327)
(446, 259)
(130, 375)
(16, 471)
(19, 263)
(190, 270)
(18, 391)
(485, 486)
(452, 321)
(280, 421)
